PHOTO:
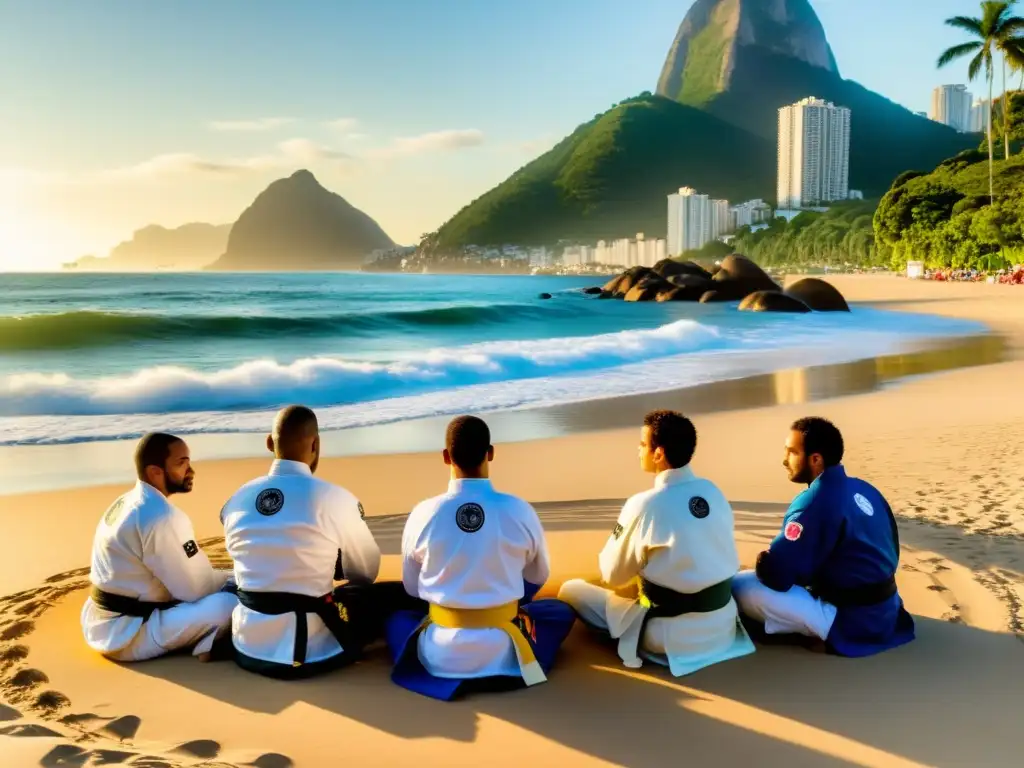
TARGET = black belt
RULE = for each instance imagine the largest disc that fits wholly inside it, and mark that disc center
(127, 606)
(859, 596)
(330, 611)
(667, 603)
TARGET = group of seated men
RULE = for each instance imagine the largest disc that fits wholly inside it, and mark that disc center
(464, 616)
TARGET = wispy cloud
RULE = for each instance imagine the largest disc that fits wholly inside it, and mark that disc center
(342, 124)
(255, 125)
(288, 155)
(437, 141)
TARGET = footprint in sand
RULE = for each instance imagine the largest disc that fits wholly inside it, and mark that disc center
(50, 701)
(29, 730)
(123, 728)
(17, 630)
(78, 572)
(202, 748)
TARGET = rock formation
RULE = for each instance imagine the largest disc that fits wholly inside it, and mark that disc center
(818, 295)
(153, 248)
(296, 224)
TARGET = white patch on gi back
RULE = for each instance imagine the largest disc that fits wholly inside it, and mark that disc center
(864, 504)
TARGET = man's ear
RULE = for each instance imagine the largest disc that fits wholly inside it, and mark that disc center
(270, 443)
(153, 473)
(490, 453)
(447, 457)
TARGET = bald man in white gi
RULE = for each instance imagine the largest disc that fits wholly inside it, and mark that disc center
(477, 557)
(153, 588)
(676, 543)
(291, 536)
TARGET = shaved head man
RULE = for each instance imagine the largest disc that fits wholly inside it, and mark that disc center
(296, 436)
(291, 536)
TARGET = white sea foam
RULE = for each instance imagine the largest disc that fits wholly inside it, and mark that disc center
(46, 409)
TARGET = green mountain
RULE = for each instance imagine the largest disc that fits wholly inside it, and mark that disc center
(732, 65)
(611, 176)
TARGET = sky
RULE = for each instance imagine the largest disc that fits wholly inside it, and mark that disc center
(116, 114)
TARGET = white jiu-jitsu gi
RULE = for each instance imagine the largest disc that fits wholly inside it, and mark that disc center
(676, 542)
(157, 586)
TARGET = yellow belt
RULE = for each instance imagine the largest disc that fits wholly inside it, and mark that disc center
(501, 618)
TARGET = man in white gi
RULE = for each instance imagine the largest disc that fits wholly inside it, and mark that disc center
(675, 542)
(477, 557)
(154, 589)
(291, 535)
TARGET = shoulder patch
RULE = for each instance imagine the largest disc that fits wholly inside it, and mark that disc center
(362, 512)
(864, 504)
(113, 511)
(469, 518)
(699, 507)
(793, 530)
(191, 548)
(269, 502)
(617, 530)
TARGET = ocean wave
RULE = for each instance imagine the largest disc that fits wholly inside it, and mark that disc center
(85, 328)
(325, 381)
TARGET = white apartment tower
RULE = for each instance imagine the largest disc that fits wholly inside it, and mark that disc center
(814, 153)
(689, 221)
(952, 105)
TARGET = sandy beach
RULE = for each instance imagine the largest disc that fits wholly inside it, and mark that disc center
(947, 449)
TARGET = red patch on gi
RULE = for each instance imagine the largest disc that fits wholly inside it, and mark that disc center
(793, 530)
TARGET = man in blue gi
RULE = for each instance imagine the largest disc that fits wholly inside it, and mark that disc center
(830, 573)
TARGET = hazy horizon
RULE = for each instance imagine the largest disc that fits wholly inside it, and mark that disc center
(171, 115)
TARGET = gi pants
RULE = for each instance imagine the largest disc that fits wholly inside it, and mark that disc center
(368, 607)
(793, 612)
(201, 624)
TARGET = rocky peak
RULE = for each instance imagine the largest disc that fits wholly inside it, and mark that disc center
(702, 61)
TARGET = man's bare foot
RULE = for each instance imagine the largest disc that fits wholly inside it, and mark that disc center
(205, 657)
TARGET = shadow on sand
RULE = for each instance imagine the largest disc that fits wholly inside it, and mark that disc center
(932, 702)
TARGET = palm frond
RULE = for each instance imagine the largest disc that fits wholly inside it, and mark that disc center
(1013, 50)
(983, 59)
(958, 52)
(967, 24)
(1009, 27)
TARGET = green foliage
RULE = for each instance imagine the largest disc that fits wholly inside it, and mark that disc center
(703, 71)
(944, 218)
(842, 235)
(709, 254)
(611, 177)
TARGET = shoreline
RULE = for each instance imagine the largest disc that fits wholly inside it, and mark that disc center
(946, 449)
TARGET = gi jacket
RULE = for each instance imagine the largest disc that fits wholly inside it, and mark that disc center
(677, 535)
(840, 535)
(292, 532)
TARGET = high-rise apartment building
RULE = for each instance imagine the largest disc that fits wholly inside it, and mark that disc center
(814, 153)
(721, 219)
(952, 105)
(689, 221)
(979, 116)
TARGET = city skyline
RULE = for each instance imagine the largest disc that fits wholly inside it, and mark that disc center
(169, 116)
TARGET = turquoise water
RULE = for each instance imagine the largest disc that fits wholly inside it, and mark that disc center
(86, 357)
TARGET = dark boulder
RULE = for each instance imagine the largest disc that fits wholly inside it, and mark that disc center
(818, 295)
(624, 283)
(740, 269)
(648, 288)
(608, 295)
(714, 297)
(593, 291)
(544, 296)
(668, 268)
(692, 287)
(772, 301)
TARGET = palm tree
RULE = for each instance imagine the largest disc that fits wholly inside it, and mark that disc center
(994, 30)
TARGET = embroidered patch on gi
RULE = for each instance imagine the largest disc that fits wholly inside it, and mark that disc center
(470, 518)
(191, 548)
(362, 512)
(793, 530)
(699, 507)
(269, 502)
(864, 504)
(617, 531)
(113, 512)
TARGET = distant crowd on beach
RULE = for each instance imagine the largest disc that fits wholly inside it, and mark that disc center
(1012, 276)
